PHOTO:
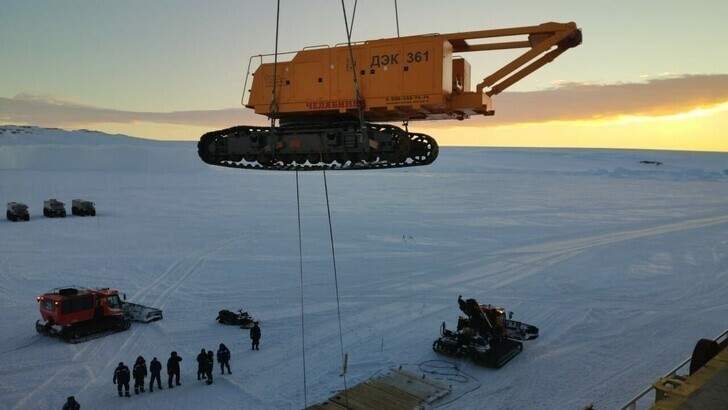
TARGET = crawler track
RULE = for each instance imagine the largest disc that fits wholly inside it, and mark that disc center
(318, 145)
(85, 331)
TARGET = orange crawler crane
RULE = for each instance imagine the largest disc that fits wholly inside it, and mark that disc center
(328, 108)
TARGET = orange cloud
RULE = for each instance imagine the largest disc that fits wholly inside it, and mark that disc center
(575, 101)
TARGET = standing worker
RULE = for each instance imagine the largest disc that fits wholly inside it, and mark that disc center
(255, 335)
(71, 404)
(201, 359)
(140, 372)
(173, 369)
(223, 357)
(209, 365)
(155, 368)
(121, 378)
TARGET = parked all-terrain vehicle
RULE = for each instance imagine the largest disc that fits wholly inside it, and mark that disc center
(54, 207)
(486, 336)
(82, 207)
(17, 211)
(242, 319)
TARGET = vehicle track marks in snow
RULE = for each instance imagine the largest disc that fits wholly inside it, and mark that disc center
(121, 244)
(80, 355)
(548, 254)
(179, 271)
(239, 387)
(85, 351)
(9, 280)
(519, 262)
(42, 388)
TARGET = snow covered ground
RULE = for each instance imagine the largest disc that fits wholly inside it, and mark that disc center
(622, 265)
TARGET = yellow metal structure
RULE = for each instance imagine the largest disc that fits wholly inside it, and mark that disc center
(707, 388)
(404, 78)
(330, 102)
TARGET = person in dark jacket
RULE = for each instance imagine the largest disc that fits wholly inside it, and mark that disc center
(201, 359)
(155, 369)
(71, 404)
(121, 378)
(173, 368)
(209, 365)
(223, 357)
(255, 335)
(139, 372)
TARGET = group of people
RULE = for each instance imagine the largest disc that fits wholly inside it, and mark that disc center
(206, 362)
(122, 375)
(205, 365)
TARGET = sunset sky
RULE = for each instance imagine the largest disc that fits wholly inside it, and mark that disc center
(650, 75)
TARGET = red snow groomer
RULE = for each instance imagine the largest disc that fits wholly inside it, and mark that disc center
(485, 335)
(76, 314)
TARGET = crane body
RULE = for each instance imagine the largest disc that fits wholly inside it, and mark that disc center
(331, 108)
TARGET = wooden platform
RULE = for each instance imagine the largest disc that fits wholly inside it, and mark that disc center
(394, 390)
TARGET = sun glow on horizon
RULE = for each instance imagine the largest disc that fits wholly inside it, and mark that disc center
(698, 112)
(699, 129)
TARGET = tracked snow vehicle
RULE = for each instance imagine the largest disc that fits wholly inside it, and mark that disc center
(76, 314)
(53, 208)
(81, 207)
(328, 101)
(17, 211)
(485, 335)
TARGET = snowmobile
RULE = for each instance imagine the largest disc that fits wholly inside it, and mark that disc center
(485, 335)
(242, 319)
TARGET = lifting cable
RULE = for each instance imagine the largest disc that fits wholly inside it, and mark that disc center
(273, 103)
(396, 17)
(359, 103)
(336, 285)
(300, 266)
(273, 111)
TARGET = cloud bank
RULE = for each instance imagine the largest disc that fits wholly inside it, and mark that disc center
(53, 112)
(578, 102)
(566, 102)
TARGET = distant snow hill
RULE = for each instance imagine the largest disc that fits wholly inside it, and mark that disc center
(28, 147)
